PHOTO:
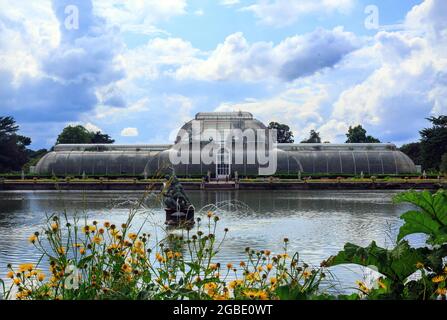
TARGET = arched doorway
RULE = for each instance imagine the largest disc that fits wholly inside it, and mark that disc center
(223, 164)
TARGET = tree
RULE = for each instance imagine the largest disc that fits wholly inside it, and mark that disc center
(413, 150)
(358, 135)
(79, 134)
(99, 137)
(13, 153)
(314, 137)
(284, 133)
(434, 142)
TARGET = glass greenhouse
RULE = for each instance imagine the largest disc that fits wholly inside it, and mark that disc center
(207, 129)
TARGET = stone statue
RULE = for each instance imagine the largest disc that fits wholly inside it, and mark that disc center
(175, 198)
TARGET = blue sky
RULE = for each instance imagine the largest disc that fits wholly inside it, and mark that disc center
(138, 69)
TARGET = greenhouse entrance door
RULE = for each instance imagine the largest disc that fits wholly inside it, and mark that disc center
(223, 164)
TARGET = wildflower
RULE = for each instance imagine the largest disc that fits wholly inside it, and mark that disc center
(159, 257)
(419, 265)
(126, 268)
(178, 255)
(235, 283)
(438, 279)
(263, 295)
(101, 231)
(170, 255)
(61, 250)
(26, 267)
(32, 238)
(209, 214)
(362, 286)
(242, 264)
(260, 268)
(213, 267)
(82, 251)
(441, 291)
(107, 224)
(273, 280)
(86, 229)
(41, 277)
(250, 294)
(269, 267)
(267, 252)
(97, 239)
(306, 274)
(133, 236)
(115, 233)
(10, 275)
(54, 226)
(229, 266)
(381, 284)
(17, 281)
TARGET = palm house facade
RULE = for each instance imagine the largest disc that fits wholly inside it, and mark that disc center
(226, 159)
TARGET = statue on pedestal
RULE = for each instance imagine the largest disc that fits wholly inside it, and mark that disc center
(178, 207)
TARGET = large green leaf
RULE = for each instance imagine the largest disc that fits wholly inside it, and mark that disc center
(431, 219)
(418, 222)
(396, 264)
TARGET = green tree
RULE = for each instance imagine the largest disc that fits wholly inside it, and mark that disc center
(13, 153)
(413, 150)
(99, 137)
(434, 142)
(79, 134)
(358, 135)
(284, 133)
(314, 137)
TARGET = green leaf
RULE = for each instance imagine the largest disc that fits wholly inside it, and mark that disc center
(418, 222)
(396, 264)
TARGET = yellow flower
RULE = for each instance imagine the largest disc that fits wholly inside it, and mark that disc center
(101, 231)
(263, 295)
(438, 279)
(441, 291)
(97, 239)
(362, 286)
(10, 275)
(133, 236)
(41, 277)
(61, 250)
(213, 266)
(126, 268)
(17, 281)
(159, 257)
(306, 274)
(178, 255)
(419, 265)
(115, 233)
(77, 245)
(381, 284)
(269, 267)
(273, 280)
(107, 224)
(26, 267)
(32, 238)
(229, 266)
(235, 283)
(209, 214)
(267, 252)
(170, 255)
(82, 251)
(54, 226)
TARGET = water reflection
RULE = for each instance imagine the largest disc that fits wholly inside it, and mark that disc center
(317, 223)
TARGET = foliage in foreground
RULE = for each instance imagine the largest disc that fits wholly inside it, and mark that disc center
(106, 262)
(398, 265)
(103, 261)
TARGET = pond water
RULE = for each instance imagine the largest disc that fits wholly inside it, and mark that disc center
(317, 223)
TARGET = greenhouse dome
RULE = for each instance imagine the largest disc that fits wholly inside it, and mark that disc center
(151, 160)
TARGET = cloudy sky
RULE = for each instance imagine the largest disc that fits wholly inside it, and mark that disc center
(138, 69)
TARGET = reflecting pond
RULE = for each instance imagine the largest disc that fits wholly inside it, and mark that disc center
(317, 223)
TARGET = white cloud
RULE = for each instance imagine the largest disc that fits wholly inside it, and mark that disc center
(91, 127)
(229, 3)
(129, 132)
(139, 16)
(199, 12)
(285, 12)
(294, 57)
